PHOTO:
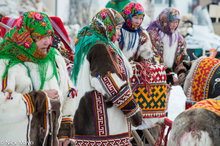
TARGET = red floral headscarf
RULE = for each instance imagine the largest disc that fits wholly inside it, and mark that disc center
(130, 10)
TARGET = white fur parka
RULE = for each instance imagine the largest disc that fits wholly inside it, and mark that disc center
(15, 115)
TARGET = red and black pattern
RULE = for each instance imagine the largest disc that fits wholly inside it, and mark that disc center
(100, 115)
(122, 98)
(119, 140)
(108, 84)
(125, 101)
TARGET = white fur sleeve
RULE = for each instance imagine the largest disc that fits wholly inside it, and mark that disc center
(66, 86)
(12, 105)
(145, 50)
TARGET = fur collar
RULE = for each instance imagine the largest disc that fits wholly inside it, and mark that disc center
(130, 42)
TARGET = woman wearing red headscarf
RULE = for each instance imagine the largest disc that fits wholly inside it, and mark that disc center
(134, 42)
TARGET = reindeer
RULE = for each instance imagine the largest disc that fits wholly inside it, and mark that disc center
(199, 126)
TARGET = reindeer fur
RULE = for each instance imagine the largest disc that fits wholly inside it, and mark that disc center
(195, 127)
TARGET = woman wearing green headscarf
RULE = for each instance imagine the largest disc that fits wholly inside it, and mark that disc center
(35, 84)
(104, 102)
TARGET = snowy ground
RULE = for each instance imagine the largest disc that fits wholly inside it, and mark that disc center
(176, 102)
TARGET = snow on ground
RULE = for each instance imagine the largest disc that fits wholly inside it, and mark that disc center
(176, 103)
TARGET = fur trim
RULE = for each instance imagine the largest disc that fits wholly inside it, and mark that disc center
(145, 50)
(136, 119)
(38, 100)
(130, 44)
(66, 128)
(195, 127)
(44, 133)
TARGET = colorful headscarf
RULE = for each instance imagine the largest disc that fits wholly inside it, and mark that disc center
(163, 20)
(130, 10)
(165, 17)
(19, 44)
(101, 29)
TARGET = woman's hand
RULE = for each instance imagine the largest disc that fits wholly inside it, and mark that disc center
(64, 143)
(52, 93)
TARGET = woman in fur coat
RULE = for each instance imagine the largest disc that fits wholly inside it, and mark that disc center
(149, 78)
(104, 102)
(36, 90)
(168, 43)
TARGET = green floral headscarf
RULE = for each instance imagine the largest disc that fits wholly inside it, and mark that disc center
(101, 30)
(19, 44)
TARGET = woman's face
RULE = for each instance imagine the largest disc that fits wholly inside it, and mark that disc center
(173, 25)
(137, 20)
(44, 43)
(118, 32)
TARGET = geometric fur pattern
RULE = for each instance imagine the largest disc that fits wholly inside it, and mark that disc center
(212, 105)
(153, 105)
(202, 75)
(100, 116)
(114, 140)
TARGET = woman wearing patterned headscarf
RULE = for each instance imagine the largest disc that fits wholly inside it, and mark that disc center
(35, 84)
(168, 43)
(104, 101)
(134, 42)
(149, 79)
